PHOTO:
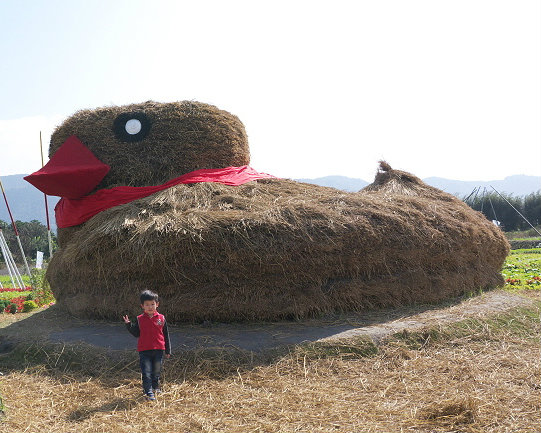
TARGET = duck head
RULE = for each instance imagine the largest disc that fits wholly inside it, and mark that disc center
(139, 145)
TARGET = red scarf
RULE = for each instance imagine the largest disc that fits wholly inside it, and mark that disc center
(75, 211)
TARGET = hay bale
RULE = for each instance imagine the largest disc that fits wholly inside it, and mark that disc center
(268, 249)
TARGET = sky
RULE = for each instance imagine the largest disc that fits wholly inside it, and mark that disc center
(435, 87)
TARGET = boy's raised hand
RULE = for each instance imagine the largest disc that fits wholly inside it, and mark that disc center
(126, 319)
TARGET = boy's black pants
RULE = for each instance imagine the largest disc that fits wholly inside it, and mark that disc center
(151, 362)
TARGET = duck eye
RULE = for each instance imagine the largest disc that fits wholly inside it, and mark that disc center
(130, 127)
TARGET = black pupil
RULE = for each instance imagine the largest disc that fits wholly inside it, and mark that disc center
(125, 122)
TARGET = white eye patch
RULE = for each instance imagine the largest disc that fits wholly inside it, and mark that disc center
(133, 126)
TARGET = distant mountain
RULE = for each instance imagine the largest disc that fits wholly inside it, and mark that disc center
(339, 182)
(27, 203)
(518, 185)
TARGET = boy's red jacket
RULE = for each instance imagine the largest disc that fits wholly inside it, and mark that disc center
(152, 332)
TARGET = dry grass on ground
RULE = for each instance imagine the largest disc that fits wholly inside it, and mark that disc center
(8, 319)
(473, 376)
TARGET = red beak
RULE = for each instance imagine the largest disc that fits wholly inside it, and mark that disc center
(72, 172)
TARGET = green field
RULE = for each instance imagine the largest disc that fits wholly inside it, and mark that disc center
(522, 270)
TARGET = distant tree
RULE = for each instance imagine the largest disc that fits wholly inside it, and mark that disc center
(5, 227)
(532, 208)
(495, 207)
(33, 235)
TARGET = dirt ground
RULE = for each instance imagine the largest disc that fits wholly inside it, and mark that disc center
(55, 326)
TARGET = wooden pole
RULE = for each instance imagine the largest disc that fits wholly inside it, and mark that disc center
(46, 205)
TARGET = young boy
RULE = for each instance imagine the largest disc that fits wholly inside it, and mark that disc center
(151, 329)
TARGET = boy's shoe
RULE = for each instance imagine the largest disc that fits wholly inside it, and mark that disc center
(150, 396)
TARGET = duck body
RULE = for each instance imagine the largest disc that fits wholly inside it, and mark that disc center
(264, 250)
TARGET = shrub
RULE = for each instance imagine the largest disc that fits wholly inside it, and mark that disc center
(3, 304)
(523, 244)
(12, 308)
(29, 306)
(42, 290)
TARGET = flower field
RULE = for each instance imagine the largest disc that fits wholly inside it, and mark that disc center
(522, 270)
(16, 300)
(24, 300)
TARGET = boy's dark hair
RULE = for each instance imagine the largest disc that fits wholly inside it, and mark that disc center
(147, 295)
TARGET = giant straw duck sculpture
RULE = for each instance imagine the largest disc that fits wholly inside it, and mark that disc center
(160, 196)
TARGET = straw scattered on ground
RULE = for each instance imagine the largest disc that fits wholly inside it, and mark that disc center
(473, 376)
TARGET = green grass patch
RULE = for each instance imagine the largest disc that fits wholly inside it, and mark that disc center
(355, 348)
(5, 280)
(10, 295)
(523, 234)
(522, 324)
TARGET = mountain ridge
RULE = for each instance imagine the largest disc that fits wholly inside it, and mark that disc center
(517, 185)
